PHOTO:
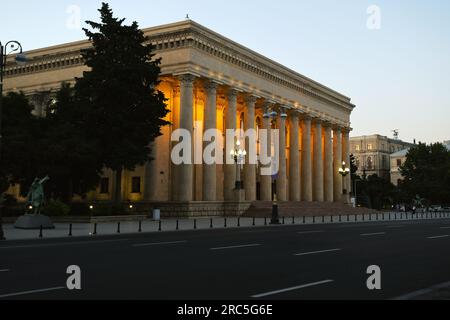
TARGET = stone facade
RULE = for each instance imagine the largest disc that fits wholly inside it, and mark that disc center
(372, 154)
(397, 160)
(213, 82)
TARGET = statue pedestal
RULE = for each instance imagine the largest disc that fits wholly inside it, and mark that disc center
(34, 221)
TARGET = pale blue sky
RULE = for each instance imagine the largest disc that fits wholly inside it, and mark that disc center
(398, 76)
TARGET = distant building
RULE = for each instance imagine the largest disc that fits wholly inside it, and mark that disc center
(372, 154)
(447, 144)
(397, 160)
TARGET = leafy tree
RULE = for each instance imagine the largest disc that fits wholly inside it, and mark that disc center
(18, 146)
(68, 154)
(426, 173)
(123, 110)
(379, 192)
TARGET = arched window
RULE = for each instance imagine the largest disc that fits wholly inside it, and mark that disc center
(369, 163)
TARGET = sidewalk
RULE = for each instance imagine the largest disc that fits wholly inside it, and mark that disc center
(62, 230)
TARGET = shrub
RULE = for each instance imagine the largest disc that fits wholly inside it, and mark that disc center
(56, 208)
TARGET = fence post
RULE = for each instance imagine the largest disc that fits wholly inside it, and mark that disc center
(304, 220)
(195, 224)
(70, 230)
(40, 232)
(160, 226)
(118, 227)
(239, 221)
(211, 224)
(95, 229)
(178, 225)
(140, 226)
(254, 221)
(293, 220)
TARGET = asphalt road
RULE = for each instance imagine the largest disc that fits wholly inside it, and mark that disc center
(286, 262)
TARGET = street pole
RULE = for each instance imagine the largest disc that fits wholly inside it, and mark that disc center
(3, 55)
(2, 63)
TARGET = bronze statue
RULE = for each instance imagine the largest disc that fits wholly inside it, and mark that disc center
(35, 197)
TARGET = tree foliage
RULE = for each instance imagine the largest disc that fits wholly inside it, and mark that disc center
(119, 92)
(426, 173)
(19, 147)
(108, 120)
(124, 111)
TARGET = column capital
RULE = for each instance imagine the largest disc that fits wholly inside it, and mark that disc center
(233, 93)
(306, 117)
(211, 86)
(250, 98)
(294, 115)
(187, 79)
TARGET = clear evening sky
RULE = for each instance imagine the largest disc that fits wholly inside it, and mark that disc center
(398, 76)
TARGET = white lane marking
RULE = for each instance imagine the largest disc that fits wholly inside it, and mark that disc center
(373, 234)
(236, 247)
(157, 244)
(272, 293)
(64, 244)
(438, 237)
(317, 252)
(30, 292)
(412, 295)
(310, 232)
(5, 270)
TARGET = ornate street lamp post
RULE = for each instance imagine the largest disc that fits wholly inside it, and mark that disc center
(13, 46)
(272, 115)
(238, 155)
(344, 171)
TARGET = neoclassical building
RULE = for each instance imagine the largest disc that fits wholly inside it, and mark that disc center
(213, 82)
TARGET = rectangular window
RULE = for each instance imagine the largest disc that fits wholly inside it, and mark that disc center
(357, 148)
(370, 146)
(136, 185)
(399, 162)
(104, 186)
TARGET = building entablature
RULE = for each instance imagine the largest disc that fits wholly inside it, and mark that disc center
(187, 47)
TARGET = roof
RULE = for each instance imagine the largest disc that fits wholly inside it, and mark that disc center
(400, 154)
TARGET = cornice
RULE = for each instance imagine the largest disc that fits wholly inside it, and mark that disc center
(191, 35)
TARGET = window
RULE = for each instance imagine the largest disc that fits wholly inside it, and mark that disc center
(370, 146)
(104, 186)
(399, 162)
(385, 164)
(357, 147)
(369, 163)
(136, 185)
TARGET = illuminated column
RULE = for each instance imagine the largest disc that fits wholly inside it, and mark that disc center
(209, 170)
(266, 180)
(346, 158)
(230, 124)
(250, 169)
(282, 178)
(294, 159)
(328, 164)
(175, 126)
(307, 194)
(318, 162)
(337, 156)
(186, 171)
